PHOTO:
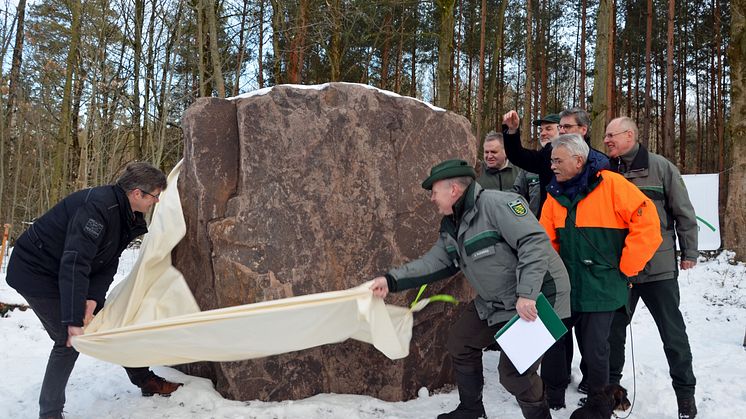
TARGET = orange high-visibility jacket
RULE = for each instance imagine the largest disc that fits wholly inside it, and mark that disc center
(610, 234)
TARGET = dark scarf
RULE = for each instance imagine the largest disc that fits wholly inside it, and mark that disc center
(596, 162)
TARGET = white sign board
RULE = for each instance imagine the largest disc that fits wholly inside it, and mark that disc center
(703, 192)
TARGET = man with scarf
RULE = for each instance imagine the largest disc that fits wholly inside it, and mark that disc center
(657, 285)
(504, 253)
(605, 230)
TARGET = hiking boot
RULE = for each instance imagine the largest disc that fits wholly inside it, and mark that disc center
(556, 404)
(687, 408)
(465, 413)
(555, 398)
(470, 396)
(535, 410)
(157, 385)
(583, 387)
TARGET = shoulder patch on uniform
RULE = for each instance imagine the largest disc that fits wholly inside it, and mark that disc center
(93, 228)
(518, 207)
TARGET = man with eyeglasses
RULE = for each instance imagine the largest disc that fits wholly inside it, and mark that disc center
(570, 121)
(657, 285)
(65, 262)
(576, 121)
(605, 231)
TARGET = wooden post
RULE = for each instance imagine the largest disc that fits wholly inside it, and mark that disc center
(6, 235)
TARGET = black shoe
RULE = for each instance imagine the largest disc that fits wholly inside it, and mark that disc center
(53, 416)
(582, 401)
(583, 387)
(555, 398)
(464, 413)
(687, 408)
(556, 405)
(535, 410)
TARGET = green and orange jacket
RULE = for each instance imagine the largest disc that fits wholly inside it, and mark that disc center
(606, 234)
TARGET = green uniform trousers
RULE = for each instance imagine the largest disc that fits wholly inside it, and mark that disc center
(662, 300)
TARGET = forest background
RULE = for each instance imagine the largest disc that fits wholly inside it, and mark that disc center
(88, 86)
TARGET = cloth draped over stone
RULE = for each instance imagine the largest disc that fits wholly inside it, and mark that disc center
(152, 318)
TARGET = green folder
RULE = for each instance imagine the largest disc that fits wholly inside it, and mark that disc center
(529, 340)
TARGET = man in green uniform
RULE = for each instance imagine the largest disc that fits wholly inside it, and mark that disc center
(505, 254)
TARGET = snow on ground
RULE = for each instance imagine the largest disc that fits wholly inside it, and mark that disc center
(713, 303)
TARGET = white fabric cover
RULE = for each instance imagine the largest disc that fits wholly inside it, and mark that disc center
(151, 317)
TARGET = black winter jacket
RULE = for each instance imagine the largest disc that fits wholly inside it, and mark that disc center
(72, 251)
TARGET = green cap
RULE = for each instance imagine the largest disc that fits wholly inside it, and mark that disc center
(552, 118)
(448, 169)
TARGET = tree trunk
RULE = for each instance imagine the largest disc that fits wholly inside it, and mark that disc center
(445, 51)
(582, 93)
(526, 122)
(386, 49)
(65, 132)
(278, 31)
(242, 47)
(457, 69)
(683, 93)
(600, 84)
(669, 151)
(335, 40)
(495, 66)
(735, 216)
(137, 146)
(480, 88)
(645, 134)
(298, 44)
(260, 46)
(217, 72)
(543, 61)
(719, 102)
(7, 133)
(413, 75)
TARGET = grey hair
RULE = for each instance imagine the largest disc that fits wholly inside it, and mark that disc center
(463, 181)
(581, 116)
(627, 123)
(494, 136)
(143, 176)
(574, 143)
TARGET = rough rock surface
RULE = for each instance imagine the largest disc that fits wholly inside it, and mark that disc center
(305, 190)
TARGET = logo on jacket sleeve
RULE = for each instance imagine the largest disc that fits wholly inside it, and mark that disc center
(518, 207)
(93, 228)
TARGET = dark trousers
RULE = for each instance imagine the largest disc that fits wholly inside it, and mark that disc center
(556, 366)
(662, 300)
(592, 329)
(61, 358)
(466, 339)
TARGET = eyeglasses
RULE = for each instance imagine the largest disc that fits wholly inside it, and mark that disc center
(568, 126)
(609, 136)
(158, 197)
(558, 162)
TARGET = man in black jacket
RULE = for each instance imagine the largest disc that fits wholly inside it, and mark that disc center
(65, 262)
(569, 121)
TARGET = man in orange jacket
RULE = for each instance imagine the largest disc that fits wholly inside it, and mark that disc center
(605, 230)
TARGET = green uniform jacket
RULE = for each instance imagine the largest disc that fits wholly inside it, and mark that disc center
(501, 249)
(661, 181)
(502, 179)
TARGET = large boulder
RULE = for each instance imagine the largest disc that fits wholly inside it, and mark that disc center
(296, 190)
